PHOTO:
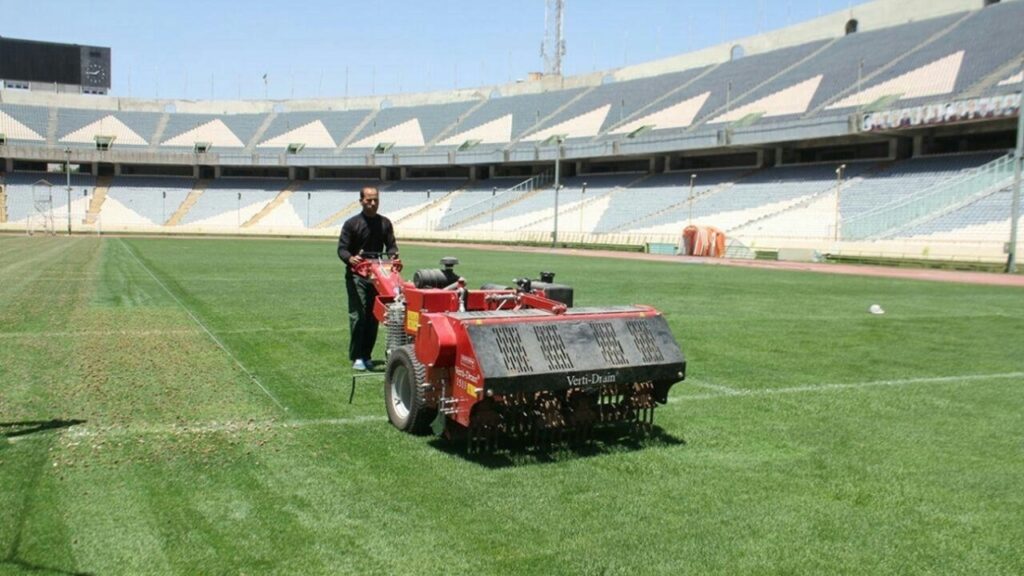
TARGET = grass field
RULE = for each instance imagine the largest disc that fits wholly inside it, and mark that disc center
(180, 407)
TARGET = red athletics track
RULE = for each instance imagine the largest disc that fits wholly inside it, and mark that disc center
(986, 278)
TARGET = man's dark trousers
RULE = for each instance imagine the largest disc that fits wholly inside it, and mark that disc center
(362, 325)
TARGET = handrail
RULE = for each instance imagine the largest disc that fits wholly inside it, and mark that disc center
(499, 200)
(904, 210)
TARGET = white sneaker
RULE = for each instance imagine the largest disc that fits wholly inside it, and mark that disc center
(359, 365)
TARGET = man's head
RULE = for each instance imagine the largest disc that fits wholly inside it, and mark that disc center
(369, 197)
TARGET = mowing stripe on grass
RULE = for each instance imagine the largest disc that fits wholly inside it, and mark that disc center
(43, 254)
(203, 326)
(848, 386)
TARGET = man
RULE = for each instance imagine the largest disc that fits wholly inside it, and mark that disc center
(366, 232)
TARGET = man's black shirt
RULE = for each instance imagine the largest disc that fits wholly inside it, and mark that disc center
(364, 234)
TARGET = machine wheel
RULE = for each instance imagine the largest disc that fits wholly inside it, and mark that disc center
(404, 398)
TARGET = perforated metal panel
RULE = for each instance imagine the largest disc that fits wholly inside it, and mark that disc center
(645, 341)
(611, 349)
(510, 345)
(552, 347)
(569, 351)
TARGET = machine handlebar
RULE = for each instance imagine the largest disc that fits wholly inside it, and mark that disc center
(367, 261)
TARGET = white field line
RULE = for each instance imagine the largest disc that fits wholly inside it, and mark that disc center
(70, 276)
(732, 392)
(85, 431)
(724, 390)
(238, 426)
(205, 329)
(94, 333)
(297, 329)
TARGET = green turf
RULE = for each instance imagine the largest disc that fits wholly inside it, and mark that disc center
(180, 407)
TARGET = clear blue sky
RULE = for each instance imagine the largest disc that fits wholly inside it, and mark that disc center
(220, 49)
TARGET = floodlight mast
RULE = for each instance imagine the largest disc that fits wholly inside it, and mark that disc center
(67, 174)
(839, 189)
(557, 140)
(1018, 158)
(689, 219)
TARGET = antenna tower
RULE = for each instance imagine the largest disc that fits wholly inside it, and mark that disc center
(553, 48)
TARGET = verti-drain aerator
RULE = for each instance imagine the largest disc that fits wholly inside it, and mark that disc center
(516, 361)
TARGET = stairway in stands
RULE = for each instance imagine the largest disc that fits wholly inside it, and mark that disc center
(99, 196)
(186, 205)
(277, 201)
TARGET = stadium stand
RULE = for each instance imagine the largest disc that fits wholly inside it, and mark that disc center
(526, 111)
(899, 102)
(660, 193)
(985, 218)
(627, 97)
(320, 203)
(407, 201)
(221, 131)
(429, 122)
(141, 201)
(750, 197)
(475, 197)
(904, 179)
(969, 52)
(582, 202)
(77, 127)
(24, 123)
(408, 134)
(727, 83)
(849, 58)
(228, 203)
(535, 208)
(339, 126)
(24, 189)
(492, 204)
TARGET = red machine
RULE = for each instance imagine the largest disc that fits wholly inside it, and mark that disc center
(516, 361)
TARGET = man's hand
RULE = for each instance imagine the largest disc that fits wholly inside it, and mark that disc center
(355, 261)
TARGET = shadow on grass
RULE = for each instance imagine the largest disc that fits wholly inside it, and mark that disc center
(11, 560)
(38, 568)
(15, 429)
(514, 452)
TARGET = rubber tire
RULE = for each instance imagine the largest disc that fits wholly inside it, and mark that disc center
(404, 398)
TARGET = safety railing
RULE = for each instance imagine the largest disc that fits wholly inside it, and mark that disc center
(493, 202)
(944, 194)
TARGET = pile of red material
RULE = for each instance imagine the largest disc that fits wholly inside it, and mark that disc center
(703, 241)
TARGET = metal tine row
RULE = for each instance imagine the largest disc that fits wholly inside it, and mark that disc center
(546, 420)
